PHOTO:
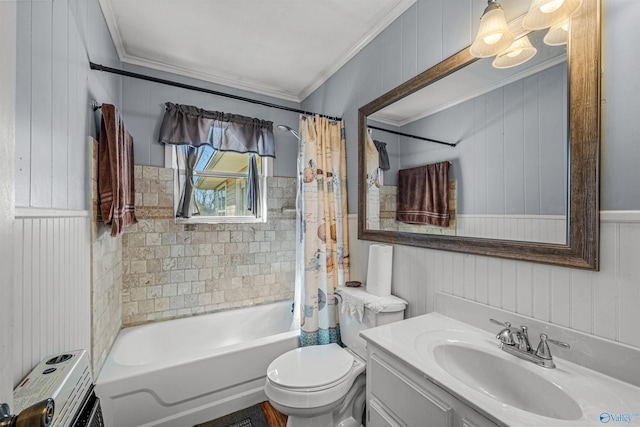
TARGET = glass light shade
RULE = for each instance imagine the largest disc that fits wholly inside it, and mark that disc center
(494, 35)
(558, 34)
(547, 13)
(518, 53)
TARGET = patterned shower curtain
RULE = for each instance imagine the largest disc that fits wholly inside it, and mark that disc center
(373, 185)
(325, 229)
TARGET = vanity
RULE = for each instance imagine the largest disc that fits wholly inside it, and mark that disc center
(433, 370)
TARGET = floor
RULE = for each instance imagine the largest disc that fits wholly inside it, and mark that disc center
(273, 417)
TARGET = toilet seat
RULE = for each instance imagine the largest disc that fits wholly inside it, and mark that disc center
(332, 378)
(311, 368)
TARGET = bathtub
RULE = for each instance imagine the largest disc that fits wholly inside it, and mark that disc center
(187, 371)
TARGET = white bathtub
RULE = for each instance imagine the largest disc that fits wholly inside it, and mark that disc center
(187, 371)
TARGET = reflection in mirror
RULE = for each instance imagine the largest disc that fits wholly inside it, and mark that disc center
(507, 135)
(524, 150)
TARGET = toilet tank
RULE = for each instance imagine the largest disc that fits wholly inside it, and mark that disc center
(350, 326)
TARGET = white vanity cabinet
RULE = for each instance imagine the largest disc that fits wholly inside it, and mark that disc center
(400, 396)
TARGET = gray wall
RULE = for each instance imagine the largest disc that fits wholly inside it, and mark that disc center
(54, 87)
(620, 150)
(603, 303)
(432, 30)
(7, 192)
(55, 40)
(143, 108)
(511, 155)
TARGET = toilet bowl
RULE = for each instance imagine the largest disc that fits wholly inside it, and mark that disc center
(311, 384)
(325, 385)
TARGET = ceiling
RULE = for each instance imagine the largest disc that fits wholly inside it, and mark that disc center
(281, 48)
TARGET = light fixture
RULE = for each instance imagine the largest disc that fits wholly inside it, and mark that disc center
(547, 13)
(494, 35)
(518, 53)
(558, 34)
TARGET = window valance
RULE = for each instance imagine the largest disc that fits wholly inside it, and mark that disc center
(189, 125)
(191, 129)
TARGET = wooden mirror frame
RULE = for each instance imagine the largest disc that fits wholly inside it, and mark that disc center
(582, 250)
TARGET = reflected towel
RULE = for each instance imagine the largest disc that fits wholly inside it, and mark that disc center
(116, 184)
(423, 195)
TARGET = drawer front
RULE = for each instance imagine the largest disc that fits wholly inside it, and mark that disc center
(377, 417)
(404, 400)
(471, 418)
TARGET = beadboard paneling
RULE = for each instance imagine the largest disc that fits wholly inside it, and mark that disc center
(51, 285)
(538, 228)
(55, 88)
(7, 193)
(601, 303)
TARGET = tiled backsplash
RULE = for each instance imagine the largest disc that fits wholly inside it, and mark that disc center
(174, 270)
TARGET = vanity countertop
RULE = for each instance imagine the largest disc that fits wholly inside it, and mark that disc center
(597, 395)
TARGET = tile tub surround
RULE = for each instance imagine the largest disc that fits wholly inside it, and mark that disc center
(175, 270)
(106, 277)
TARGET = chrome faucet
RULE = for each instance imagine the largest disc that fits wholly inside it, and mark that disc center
(515, 341)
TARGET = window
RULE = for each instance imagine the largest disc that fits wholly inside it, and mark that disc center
(220, 187)
(210, 166)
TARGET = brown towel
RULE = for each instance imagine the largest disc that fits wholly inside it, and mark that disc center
(115, 172)
(423, 195)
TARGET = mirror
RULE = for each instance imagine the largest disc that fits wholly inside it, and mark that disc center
(521, 144)
(486, 122)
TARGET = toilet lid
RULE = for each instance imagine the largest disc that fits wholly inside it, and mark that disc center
(310, 367)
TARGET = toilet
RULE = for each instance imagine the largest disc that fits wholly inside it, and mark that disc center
(325, 385)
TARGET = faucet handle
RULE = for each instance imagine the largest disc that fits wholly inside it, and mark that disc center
(506, 325)
(543, 347)
(505, 335)
(558, 343)
(497, 322)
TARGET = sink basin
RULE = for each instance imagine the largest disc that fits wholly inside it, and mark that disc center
(505, 381)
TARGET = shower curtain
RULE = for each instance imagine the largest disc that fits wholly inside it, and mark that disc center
(373, 185)
(324, 230)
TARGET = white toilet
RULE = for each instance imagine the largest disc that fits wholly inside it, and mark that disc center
(324, 385)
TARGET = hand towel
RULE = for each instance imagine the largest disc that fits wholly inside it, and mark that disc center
(116, 184)
(423, 195)
(354, 301)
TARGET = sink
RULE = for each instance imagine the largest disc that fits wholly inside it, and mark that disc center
(471, 363)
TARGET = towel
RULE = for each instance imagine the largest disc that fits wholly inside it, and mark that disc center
(116, 185)
(383, 155)
(423, 195)
(355, 300)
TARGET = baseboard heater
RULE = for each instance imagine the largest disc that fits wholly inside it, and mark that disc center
(65, 378)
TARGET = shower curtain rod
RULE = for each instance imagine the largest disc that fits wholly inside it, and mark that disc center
(413, 136)
(106, 69)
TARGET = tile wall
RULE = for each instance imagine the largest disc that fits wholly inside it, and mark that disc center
(106, 277)
(175, 270)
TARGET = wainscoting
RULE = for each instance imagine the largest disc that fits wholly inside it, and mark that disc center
(52, 302)
(601, 303)
(538, 228)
